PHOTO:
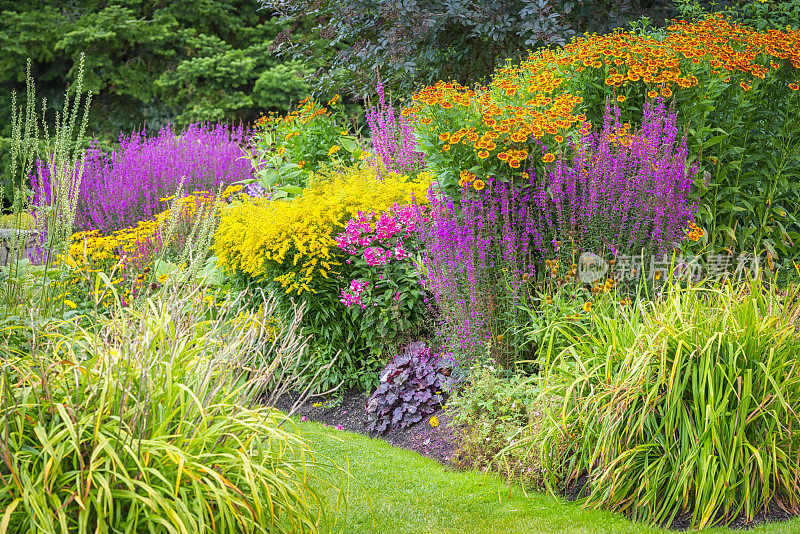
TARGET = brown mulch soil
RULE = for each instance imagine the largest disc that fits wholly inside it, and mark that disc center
(349, 414)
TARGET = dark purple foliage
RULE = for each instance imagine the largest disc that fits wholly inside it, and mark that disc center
(124, 187)
(410, 388)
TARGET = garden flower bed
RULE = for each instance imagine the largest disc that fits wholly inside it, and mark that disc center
(346, 412)
(582, 276)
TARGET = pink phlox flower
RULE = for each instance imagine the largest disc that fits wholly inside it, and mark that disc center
(399, 252)
(352, 294)
(357, 233)
(377, 256)
(387, 226)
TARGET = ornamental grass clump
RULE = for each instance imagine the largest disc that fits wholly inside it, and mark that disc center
(135, 182)
(690, 410)
(149, 422)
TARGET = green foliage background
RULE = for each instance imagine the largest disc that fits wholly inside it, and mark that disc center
(149, 62)
(419, 42)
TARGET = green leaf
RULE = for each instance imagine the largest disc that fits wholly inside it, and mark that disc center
(291, 189)
(348, 144)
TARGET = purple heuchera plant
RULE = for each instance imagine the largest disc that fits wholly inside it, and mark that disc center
(126, 186)
(393, 137)
(410, 388)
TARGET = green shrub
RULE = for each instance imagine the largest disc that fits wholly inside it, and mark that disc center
(493, 413)
(689, 410)
(310, 136)
(290, 245)
(147, 423)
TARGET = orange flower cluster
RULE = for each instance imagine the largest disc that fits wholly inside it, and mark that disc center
(307, 110)
(695, 232)
(466, 178)
(533, 100)
(501, 130)
(622, 135)
(724, 46)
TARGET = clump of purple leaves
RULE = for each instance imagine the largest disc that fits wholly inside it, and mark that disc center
(410, 388)
(126, 186)
(393, 137)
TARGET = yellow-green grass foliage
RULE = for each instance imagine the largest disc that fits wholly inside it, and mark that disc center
(147, 423)
(688, 406)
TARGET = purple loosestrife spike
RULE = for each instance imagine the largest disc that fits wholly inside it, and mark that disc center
(124, 187)
(617, 193)
(393, 136)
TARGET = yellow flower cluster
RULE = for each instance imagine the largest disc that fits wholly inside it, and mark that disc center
(292, 241)
(603, 286)
(94, 252)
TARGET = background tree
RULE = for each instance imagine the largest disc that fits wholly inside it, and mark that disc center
(417, 42)
(150, 62)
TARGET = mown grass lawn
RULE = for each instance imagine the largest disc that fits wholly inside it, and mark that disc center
(395, 491)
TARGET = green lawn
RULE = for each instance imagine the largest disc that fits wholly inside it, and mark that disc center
(395, 491)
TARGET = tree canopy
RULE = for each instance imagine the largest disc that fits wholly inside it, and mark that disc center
(417, 42)
(150, 61)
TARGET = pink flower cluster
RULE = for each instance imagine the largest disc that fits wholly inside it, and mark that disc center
(378, 256)
(375, 240)
(352, 295)
(385, 240)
